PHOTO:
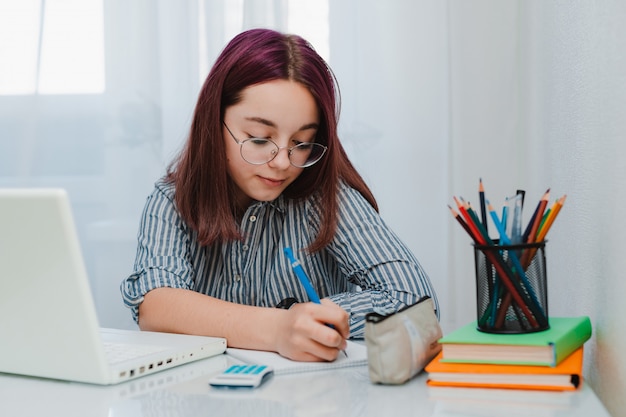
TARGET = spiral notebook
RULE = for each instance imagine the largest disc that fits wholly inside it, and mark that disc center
(356, 355)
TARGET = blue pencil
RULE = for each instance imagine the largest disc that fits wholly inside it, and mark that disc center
(304, 280)
(504, 239)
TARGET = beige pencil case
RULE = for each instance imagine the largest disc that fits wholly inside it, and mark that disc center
(400, 345)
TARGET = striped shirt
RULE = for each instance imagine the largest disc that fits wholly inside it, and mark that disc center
(366, 268)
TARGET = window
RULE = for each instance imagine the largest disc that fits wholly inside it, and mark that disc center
(51, 47)
(309, 19)
(63, 117)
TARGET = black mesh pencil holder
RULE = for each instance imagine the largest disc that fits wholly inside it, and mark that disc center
(511, 288)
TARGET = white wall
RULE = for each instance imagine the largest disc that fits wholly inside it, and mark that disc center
(484, 123)
(542, 86)
(579, 112)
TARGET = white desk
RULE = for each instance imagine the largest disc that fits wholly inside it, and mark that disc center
(184, 392)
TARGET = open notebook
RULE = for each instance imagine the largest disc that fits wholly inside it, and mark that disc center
(48, 322)
(356, 356)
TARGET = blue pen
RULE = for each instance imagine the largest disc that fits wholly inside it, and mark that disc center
(304, 280)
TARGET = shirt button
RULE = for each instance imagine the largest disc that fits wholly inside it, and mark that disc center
(244, 247)
(252, 218)
(237, 278)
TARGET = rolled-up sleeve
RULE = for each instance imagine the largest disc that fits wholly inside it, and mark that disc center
(372, 256)
(162, 258)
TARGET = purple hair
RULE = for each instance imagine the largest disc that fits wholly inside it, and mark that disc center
(203, 187)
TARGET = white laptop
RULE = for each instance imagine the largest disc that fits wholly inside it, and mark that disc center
(48, 322)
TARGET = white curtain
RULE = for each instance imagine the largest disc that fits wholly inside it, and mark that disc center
(108, 144)
(108, 147)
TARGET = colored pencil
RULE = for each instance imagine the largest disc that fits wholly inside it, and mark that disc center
(541, 207)
(470, 223)
(534, 227)
(546, 214)
(517, 289)
(504, 239)
(483, 209)
(505, 212)
(502, 268)
(548, 223)
(543, 231)
(481, 228)
(533, 219)
(458, 218)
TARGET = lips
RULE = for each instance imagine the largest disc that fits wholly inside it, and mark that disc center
(271, 182)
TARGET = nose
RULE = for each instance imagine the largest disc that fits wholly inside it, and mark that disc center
(281, 159)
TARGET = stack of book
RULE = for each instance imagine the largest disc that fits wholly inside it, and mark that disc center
(547, 360)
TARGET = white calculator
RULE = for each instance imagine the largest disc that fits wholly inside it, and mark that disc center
(242, 376)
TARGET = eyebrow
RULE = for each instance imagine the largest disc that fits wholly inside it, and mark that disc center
(272, 124)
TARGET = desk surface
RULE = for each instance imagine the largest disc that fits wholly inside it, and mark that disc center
(184, 392)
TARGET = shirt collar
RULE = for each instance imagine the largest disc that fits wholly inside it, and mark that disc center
(278, 204)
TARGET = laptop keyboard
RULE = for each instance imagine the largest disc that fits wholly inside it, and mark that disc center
(119, 352)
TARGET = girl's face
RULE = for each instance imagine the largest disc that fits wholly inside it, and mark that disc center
(281, 110)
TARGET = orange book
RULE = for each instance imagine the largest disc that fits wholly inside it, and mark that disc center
(566, 376)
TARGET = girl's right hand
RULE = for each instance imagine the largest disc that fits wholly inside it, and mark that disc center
(304, 332)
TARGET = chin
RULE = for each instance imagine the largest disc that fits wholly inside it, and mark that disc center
(267, 196)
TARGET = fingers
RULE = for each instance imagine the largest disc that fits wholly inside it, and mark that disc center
(315, 352)
(339, 318)
(316, 332)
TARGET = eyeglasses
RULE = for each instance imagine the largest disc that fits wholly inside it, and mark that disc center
(259, 151)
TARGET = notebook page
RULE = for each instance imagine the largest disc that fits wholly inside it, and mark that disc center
(356, 356)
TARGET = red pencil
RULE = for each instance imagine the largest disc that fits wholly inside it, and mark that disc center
(491, 256)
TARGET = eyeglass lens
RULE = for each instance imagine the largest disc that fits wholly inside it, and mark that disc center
(261, 151)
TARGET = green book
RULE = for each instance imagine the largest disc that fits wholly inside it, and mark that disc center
(545, 348)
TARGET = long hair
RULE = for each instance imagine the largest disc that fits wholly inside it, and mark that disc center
(203, 188)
